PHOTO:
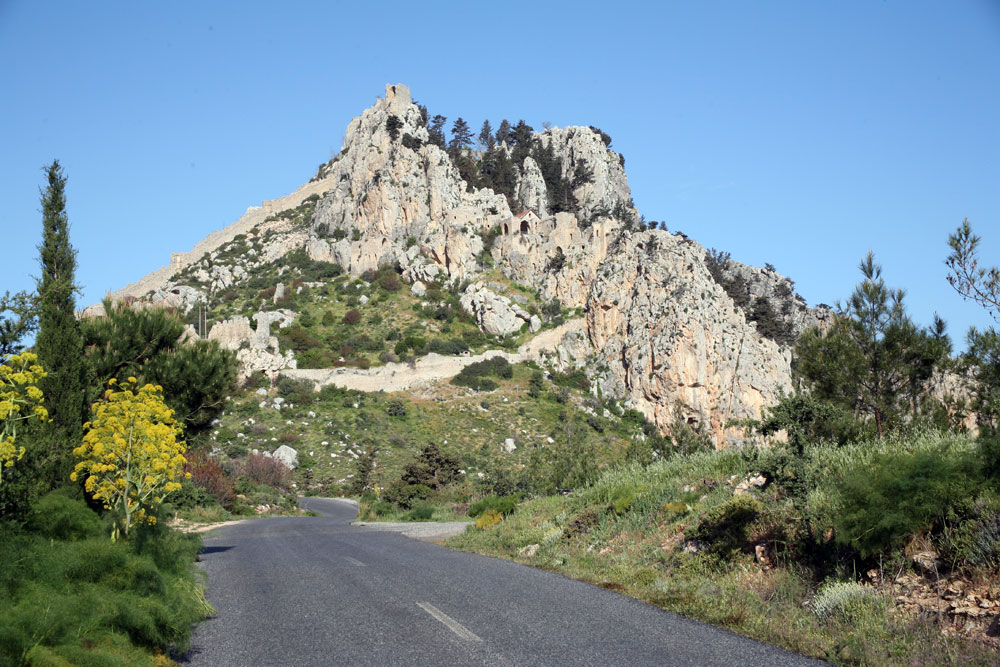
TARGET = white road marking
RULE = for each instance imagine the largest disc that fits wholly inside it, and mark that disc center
(451, 623)
(354, 561)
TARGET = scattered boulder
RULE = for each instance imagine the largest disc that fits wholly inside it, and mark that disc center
(495, 314)
(287, 455)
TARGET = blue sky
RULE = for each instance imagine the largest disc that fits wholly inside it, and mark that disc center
(797, 133)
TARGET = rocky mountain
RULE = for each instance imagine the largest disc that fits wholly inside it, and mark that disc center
(672, 330)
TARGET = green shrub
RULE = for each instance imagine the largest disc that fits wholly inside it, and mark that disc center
(474, 382)
(93, 601)
(575, 379)
(989, 450)
(453, 346)
(725, 529)
(850, 602)
(58, 517)
(432, 468)
(503, 505)
(898, 495)
(624, 497)
(475, 375)
(395, 408)
(294, 390)
(419, 513)
(970, 535)
(405, 495)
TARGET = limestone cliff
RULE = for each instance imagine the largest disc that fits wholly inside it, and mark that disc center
(672, 341)
(669, 329)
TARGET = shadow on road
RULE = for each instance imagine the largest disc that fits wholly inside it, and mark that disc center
(213, 550)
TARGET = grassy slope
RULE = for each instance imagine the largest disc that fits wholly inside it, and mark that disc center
(330, 428)
(627, 533)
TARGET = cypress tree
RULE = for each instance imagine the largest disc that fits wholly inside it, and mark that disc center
(59, 343)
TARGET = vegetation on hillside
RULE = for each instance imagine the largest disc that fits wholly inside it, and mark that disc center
(860, 523)
(90, 574)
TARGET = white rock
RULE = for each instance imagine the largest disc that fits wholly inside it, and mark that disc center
(287, 455)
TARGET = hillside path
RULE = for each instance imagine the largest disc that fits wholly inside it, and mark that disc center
(429, 368)
(319, 591)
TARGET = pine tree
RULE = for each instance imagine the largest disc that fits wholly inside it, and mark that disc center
(147, 343)
(521, 140)
(59, 343)
(874, 360)
(435, 130)
(503, 132)
(461, 137)
(486, 140)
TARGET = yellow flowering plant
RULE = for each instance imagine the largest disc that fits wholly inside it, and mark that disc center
(131, 454)
(20, 400)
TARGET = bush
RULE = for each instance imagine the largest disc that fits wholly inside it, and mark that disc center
(404, 495)
(91, 601)
(575, 379)
(432, 468)
(256, 380)
(725, 529)
(488, 519)
(265, 470)
(351, 317)
(395, 408)
(454, 346)
(294, 390)
(207, 474)
(56, 516)
(502, 505)
(390, 282)
(475, 375)
(420, 513)
(849, 602)
(897, 495)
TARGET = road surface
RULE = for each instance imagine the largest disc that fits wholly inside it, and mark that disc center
(318, 591)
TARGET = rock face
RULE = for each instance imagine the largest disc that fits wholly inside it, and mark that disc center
(495, 314)
(555, 255)
(399, 203)
(287, 455)
(672, 340)
(256, 349)
(662, 328)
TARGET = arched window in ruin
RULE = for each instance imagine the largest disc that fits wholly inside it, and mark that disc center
(524, 227)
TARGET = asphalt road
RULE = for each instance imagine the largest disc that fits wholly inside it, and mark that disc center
(318, 591)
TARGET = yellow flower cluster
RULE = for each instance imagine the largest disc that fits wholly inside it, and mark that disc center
(20, 399)
(131, 453)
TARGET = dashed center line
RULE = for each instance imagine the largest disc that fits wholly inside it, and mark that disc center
(449, 622)
(354, 561)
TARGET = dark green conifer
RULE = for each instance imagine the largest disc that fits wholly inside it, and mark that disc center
(59, 344)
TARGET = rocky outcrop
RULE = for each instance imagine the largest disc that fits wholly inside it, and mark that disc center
(672, 341)
(531, 191)
(606, 188)
(256, 349)
(665, 329)
(287, 455)
(495, 314)
(766, 290)
(392, 190)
